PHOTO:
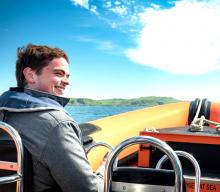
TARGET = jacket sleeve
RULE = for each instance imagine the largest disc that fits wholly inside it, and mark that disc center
(67, 162)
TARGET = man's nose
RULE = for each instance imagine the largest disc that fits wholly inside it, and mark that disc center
(66, 81)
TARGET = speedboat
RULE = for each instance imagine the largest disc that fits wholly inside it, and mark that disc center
(165, 148)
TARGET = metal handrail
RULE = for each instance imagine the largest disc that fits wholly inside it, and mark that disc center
(144, 140)
(20, 156)
(10, 179)
(98, 144)
(193, 161)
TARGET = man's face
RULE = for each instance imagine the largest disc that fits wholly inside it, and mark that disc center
(53, 78)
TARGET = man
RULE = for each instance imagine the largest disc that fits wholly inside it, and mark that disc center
(35, 110)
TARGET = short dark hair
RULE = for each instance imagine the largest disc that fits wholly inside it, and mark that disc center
(36, 57)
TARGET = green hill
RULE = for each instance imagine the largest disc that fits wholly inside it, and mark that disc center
(142, 101)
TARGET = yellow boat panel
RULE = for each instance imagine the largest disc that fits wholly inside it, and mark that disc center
(115, 129)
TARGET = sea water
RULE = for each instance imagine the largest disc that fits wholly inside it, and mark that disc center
(83, 114)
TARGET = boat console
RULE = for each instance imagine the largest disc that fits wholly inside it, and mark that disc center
(203, 145)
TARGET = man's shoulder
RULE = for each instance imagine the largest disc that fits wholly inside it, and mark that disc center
(60, 119)
(59, 116)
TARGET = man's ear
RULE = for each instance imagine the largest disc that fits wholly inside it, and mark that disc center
(29, 75)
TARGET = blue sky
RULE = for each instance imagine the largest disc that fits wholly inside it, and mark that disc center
(121, 48)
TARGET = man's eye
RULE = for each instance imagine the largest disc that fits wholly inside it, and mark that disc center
(59, 74)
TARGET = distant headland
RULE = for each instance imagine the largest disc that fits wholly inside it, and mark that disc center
(142, 101)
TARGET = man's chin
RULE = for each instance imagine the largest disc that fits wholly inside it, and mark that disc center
(59, 93)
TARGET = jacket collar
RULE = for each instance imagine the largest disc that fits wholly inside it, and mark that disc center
(40, 94)
(24, 99)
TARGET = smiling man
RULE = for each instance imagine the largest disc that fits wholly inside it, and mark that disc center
(52, 79)
(36, 110)
(42, 68)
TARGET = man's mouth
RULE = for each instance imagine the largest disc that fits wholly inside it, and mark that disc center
(60, 88)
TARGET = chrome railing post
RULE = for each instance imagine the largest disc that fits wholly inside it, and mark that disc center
(192, 160)
(144, 140)
(98, 144)
(20, 156)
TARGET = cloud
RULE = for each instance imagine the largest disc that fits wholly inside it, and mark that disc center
(93, 9)
(184, 39)
(120, 10)
(82, 3)
(121, 13)
(107, 4)
(104, 45)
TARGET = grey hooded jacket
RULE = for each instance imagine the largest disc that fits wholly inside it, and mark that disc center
(53, 139)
